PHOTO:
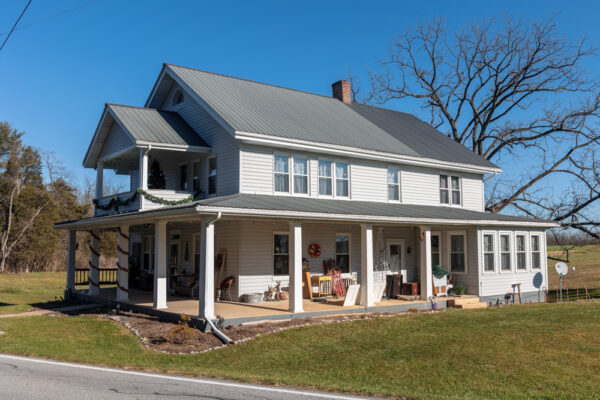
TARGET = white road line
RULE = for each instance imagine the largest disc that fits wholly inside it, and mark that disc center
(181, 378)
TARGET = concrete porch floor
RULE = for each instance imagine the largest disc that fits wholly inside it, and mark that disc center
(236, 313)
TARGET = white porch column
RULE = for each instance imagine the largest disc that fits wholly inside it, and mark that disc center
(94, 263)
(71, 250)
(295, 267)
(143, 171)
(206, 295)
(123, 263)
(99, 181)
(367, 297)
(425, 261)
(160, 265)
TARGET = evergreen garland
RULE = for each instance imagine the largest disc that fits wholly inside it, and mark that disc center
(115, 202)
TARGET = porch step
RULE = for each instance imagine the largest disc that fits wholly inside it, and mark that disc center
(461, 301)
(472, 306)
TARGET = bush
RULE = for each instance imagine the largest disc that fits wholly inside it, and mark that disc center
(182, 332)
(459, 290)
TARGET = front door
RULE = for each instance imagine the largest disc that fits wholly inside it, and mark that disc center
(395, 257)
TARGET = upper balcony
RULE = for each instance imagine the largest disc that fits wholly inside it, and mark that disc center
(166, 161)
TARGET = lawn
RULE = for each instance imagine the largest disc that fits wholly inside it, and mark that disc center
(19, 292)
(586, 260)
(517, 352)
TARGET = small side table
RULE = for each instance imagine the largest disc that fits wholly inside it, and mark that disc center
(323, 284)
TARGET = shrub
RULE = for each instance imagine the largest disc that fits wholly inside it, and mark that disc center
(182, 332)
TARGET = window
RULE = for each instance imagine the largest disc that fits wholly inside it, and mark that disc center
(435, 250)
(183, 181)
(148, 253)
(393, 184)
(174, 243)
(301, 175)
(212, 175)
(282, 173)
(536, 260)
(505, 253)
(521, 254)
(450, 194)
(196, 177)
(458, 260)
(281, 255)
(342, 252)
(488, 253)
(325, 178)
(341, 179)
(178, 97)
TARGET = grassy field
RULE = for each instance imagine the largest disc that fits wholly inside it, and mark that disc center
(586, 260)
(19, 292)
(519, 352)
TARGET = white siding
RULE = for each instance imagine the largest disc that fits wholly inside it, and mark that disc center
(116, 140)
(226, 238)
(256, 170)
(368, 181)
(223, 145)
(419, 186)
(472, 192)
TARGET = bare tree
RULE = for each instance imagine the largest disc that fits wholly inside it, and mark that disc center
(506, 89)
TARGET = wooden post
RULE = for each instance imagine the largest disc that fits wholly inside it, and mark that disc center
(367, 297)
(143, 171)
(71, 252)
(160, 265)
(94, 263)
(295, 268)
(123, 263)
(206, 295)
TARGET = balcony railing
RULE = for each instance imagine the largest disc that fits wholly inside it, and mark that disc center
(132, 201)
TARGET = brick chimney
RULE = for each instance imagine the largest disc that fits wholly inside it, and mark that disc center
(341, 90)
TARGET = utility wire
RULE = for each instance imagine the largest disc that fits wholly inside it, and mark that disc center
(15, 25)
(54, 16)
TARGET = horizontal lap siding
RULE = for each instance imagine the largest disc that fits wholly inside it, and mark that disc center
(116, 140)
(226, 238)
(222, 144)
(470, 280)
(420, 186)
(369, 181)
(256, 170)
(473, 192)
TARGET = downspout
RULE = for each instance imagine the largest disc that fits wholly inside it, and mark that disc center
(213, 328)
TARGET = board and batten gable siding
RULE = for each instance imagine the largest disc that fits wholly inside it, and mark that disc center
(368, 179)
(223, 145)
(499, 283)
(116, 140)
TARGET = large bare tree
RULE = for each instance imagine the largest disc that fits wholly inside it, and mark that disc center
(511, 92)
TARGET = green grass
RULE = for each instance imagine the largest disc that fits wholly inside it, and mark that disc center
(19, 292)
(586, 260)
(519, 352)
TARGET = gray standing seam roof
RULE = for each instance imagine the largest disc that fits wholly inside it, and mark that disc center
(254, 107)
(151, 125)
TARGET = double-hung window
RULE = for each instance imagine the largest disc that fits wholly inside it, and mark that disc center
(536, 260)
(281, 254)
(488, 253)
(393, 184)
(341, 179)
(300, 175)
(212, 175)
(435, 250)
(457, 250)
(450, 190)
(505, 253)
(325, 178)
(342, 252)
(521, 253)
(281, 172)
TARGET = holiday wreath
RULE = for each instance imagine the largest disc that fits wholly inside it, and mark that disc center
(314, 250)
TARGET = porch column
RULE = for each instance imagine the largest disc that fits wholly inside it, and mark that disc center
(99, 180)
(123, 263)
(71, 250)
(295, 267)
(367, 297)
(94, 263)
(143, 171)
(206, 295)
(160, 265)
(425, 261)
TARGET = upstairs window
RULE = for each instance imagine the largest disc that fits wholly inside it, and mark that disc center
(393, 184)
(488, 253)
(450, 190)
(212, 175)
(325, 178)
(536, 260)
(505, 253)
(281, 173)
(301, 175)
(521, 253)
(341, 179)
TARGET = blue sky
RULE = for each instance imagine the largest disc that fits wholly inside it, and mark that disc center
(56, 75)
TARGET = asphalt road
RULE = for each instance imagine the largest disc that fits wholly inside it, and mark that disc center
(32, 378)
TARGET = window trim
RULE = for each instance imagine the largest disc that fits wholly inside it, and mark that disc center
(332, 178)
(289, 174)
(449, 235)
(449, 189)
(396, 184)
(335, 253)
(494, 252)
(279, 277)
(293, 174)
(539, 236)
(511, 247)
(441, 251)
(335, 179)
(525, 251)
(208, 194)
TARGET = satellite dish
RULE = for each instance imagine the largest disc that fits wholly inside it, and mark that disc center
(561, 268)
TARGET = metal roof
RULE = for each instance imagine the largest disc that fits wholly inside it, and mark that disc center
(249, 106)
(151, 125)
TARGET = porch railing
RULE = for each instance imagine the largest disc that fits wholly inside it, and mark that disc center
(108, 276)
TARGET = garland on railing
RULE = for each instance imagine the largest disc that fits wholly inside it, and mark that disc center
(115, 202)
